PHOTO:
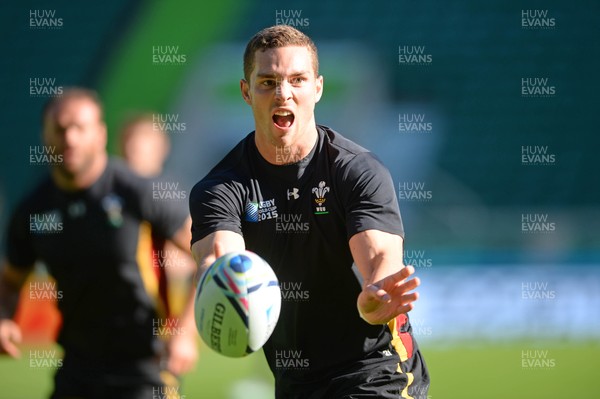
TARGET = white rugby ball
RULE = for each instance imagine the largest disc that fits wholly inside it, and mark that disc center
(237, 305)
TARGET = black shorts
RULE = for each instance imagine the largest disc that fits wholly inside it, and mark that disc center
(382, 379)
(140, 379)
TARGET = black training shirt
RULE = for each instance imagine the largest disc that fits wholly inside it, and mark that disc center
(299, 218)
(96, 244)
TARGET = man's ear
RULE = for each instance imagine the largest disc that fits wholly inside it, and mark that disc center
(319, 88)
(245, 89)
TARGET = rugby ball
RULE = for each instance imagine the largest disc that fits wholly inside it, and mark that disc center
(237, 304)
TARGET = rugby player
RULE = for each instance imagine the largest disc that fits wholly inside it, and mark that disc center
(323, 212)
(89, 222)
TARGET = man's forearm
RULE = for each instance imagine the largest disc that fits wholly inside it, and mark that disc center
(187, 318)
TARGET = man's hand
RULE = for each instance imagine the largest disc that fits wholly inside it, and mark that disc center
(183, 352)
(383, 300)
(386, 292)
(10, 335)
(212, 247)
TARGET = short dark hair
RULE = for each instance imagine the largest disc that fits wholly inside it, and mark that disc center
(275, 37)
(72, 93)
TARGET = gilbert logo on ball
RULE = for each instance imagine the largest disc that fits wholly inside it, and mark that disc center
(237, 306)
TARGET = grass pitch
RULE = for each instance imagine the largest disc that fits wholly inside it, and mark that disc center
(520, 370)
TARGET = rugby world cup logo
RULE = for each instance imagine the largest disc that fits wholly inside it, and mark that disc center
(320, 199)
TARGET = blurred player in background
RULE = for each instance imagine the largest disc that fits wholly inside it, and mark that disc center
(323, 212)
(89, 223)
(145, 148)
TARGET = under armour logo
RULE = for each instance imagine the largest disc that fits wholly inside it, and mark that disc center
(293, 193)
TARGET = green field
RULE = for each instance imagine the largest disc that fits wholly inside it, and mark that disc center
(519, 370)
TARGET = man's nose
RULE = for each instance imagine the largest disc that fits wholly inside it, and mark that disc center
(71, 135)
(283, 90)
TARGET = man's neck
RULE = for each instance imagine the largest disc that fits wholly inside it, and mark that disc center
(283, 153)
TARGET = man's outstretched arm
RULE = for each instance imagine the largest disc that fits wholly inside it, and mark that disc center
(386, 292)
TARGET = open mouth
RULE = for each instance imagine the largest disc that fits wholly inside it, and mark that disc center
(283, 119)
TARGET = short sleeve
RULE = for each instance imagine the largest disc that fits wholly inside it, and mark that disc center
(20, 252)
(369, 197)
(214, 206)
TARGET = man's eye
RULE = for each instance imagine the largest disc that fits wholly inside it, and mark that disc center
(268, 83)
(297, 81)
